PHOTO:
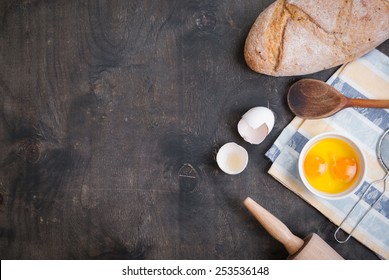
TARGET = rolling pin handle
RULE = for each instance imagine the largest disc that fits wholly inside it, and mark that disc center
(274, 226)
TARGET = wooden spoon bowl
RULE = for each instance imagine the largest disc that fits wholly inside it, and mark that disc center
(314, 99)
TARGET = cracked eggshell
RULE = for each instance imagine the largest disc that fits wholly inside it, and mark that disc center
(232, 158)
(256, 124)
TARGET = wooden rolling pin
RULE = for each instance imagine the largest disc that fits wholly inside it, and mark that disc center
(311, 248)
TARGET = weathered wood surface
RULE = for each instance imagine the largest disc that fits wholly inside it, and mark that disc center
(111, 114)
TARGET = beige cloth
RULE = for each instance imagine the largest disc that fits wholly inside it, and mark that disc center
(367, 77)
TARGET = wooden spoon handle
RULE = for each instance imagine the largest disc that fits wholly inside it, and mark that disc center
(274, 226)
(368, 103)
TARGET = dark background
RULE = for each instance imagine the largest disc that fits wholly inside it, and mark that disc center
(106, 106)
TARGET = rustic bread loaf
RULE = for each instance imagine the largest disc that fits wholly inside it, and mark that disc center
(298, 37)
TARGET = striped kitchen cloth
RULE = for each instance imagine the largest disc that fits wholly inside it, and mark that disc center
(366, 77)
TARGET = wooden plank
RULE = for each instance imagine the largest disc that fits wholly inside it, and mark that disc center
(111, 115)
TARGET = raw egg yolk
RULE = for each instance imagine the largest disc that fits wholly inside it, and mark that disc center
(315, 166)
(344, 169)
(331, 165)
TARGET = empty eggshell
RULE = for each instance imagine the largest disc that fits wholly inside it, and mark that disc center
(256, 124)
(232, 158)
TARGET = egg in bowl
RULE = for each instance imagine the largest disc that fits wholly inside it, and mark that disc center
(332, 165)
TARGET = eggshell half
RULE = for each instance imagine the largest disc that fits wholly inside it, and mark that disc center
(256, 124)
(232, 158)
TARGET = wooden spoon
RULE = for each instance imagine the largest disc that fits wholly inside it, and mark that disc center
(314, 99)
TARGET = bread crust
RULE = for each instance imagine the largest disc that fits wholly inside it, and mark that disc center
(298, 37)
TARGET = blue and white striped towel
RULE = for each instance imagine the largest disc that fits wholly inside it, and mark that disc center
(366, 77)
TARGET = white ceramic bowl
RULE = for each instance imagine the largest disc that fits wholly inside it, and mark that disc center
(361, 171)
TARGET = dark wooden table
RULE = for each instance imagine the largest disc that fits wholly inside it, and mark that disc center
(106, 106)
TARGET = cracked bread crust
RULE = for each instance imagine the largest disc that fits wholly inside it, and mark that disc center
(298, 37)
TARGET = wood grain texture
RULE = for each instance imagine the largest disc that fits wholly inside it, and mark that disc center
(111, 113)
